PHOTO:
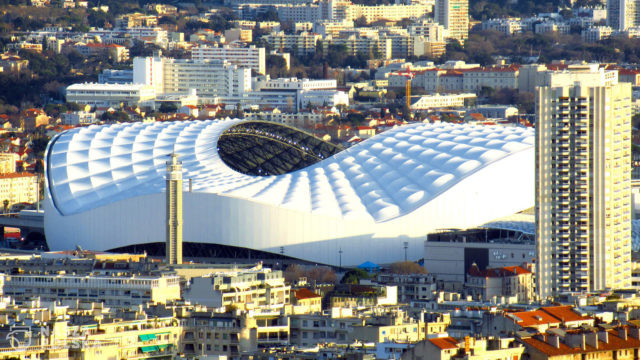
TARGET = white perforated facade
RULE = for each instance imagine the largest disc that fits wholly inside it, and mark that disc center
(106, 190)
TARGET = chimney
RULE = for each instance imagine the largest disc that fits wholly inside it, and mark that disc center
(634, 332)
(576, 340)
(622, 333)
(553, 340)
(591, 338)
(603, 336)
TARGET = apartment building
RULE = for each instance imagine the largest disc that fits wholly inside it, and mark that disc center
(109, 95)
(18, 188)
(113, 291)
(490, 77)
(596, 33)
(247, 289)
(251, 56)
(209, 78)
(116, 52)
(583, 181)
(454, 16)
(302, 44)
(508, 281)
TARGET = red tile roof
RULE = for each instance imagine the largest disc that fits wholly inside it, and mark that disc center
(614, 343)
(564, 313)
(445, 343)
(533, 318)
(305, 293)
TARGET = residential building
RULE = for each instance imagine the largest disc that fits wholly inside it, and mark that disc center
(136, 20)
(335, 325)
(508, 281)
(454, 16)
(113, 291)
(305, 301)
(209, 78)
(596, 33)
(600, 343)
(118, 53)
(237, 34)
(301, 44)
(76, 118)
(411, 287)
(251, 56)
(449, 348)
(109, 95)
(8, 162)
(622, 14)
(18, 188)
(247, 289)
(499, 323)
(583, 181)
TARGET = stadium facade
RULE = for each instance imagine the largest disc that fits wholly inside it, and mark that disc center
(270, 187)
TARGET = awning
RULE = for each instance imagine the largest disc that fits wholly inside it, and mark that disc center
(147, 349)
(147, 337)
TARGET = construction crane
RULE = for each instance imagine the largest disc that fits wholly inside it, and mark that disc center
(407, 93)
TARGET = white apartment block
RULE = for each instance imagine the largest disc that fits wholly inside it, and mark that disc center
(293, 84)
(18, 188)
(322, 98)
(332, 28)
(546, 27)
(251, 56)
(394, 12)
(78, 118)
(303, 43)
(505, 26)
(299, 13)
(493, 77)
(380, 48)
(596, 33)
(623, 14)
(210, 78)
(438, 101)
(429, 30)
(113, 291)
(454, 16)
(109, 95)
(583, 182)
(248, 289)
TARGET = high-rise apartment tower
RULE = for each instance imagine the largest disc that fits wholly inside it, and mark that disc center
(583, 182)
(454, 16)
(623, 14)
(173, 247)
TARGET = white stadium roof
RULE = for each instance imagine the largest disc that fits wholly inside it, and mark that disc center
(398, 173)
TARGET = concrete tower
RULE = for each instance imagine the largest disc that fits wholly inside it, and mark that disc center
(173, 247)
(583, 182)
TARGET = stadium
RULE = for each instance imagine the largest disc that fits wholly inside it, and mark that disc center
(269, 187)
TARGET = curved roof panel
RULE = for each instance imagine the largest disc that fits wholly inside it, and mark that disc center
(381, 178)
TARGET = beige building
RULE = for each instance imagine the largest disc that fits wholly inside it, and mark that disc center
(583, 182)
(251, 56)
(18, 188)
(454, 16)
(8, 162)
(113, 291)
(247, 289)
(447, 348)
(508, 281)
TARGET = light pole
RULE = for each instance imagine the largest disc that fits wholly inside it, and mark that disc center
(340, 254)
(406, 246)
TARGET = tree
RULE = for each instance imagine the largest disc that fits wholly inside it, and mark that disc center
(354, 276)
(406, 268)
(168, 107)
(6, 205)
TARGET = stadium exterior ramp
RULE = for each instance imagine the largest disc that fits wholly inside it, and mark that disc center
(265, 186)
